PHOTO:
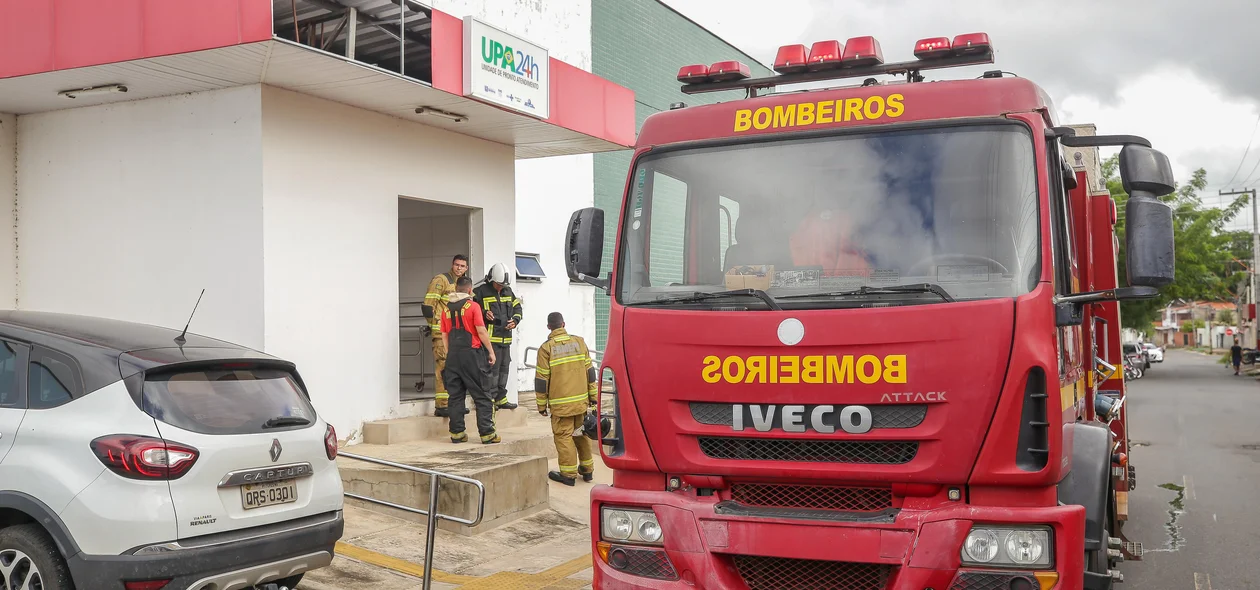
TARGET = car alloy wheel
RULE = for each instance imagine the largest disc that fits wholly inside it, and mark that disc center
(18, 572)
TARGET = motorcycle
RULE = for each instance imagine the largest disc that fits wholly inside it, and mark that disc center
(1132, 367)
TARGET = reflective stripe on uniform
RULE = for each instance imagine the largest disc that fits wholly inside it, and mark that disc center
(542, 371)
(568, 400)
(489, 436)
(441, 395)
(567, 359)
(588, 463)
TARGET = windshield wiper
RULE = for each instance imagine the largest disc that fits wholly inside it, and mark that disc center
(279, 421)
(889, 290)
(703, 295)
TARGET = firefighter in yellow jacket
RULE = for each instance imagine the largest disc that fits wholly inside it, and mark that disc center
(564, 382)
(435, 300)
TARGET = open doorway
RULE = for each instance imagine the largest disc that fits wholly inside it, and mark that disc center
(429, 236)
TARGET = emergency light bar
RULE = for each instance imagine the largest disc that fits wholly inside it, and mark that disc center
(859, 57)
(791, 59)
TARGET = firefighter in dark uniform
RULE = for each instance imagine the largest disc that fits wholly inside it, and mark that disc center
(468, 362)
(502, 309)
(564, 383)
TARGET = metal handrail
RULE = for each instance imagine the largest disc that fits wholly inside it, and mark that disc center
(435, 482)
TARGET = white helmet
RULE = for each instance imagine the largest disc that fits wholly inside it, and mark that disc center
(498, 274)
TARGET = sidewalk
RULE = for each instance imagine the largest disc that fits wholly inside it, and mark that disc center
(548, 550)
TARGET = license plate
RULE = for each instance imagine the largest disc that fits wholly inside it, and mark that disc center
(257, 495)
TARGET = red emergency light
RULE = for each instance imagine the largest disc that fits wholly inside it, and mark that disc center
(932, 48)
(862, 51)
(972, 44)
(825, 55)
(693, 74)
(725, 71)
(791, 59)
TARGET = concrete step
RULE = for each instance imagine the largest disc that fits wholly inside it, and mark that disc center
(516, 485)
(417, 428)
(514, 473)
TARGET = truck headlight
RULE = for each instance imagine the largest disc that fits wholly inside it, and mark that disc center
(630, 526)
(1008, 546)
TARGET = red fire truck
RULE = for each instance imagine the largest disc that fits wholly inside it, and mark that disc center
(865, 337)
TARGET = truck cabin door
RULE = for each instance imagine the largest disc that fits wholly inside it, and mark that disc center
(1066, 279)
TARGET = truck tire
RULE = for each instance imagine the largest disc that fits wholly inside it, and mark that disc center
(1097, 561)
(1088, 484)
(29, 559)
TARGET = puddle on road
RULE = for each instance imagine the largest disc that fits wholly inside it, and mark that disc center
(1176, 507)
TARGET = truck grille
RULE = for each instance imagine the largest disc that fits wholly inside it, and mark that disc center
(888, 416)
(849, 499)
(775, 573)
(649, 563)
(813, 451)
(991, 581)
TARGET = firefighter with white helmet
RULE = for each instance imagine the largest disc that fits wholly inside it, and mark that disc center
(502, 309)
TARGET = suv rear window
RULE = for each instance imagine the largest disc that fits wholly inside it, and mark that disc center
(226, 400)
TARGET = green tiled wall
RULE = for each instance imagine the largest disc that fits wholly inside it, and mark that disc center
(640, 44)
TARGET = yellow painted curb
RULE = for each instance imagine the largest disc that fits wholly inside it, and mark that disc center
(400, 565)
(569, 568)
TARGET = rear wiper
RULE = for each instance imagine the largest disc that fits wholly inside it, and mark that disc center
(891, 289)
(279, 421)
(702, 295)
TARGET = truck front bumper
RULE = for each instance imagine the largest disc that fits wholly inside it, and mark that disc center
(708, 548)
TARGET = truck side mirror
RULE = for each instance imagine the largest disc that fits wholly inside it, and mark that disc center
(1147, 175)
(584, 247)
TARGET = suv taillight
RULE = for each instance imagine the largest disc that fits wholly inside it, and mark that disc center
(143, 457)
(330, 442)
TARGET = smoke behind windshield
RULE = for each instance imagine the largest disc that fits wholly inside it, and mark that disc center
(954, 206)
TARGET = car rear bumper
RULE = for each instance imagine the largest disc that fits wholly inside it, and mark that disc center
(912, 551)
(240, 563)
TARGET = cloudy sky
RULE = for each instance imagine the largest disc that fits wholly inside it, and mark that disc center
(1183, 73)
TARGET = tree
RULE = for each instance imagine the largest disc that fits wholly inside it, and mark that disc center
(1207, 255)
(1225, 316)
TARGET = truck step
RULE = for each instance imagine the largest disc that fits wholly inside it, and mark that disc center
(1133, 551)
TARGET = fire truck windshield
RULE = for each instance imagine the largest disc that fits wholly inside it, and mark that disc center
(949, 206)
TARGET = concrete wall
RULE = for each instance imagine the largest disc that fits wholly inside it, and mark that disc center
(331, 181)
(8, 207)
(426, 246)
(548, 190)
(128, 210)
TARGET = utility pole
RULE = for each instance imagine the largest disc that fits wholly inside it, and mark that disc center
(1255, 256)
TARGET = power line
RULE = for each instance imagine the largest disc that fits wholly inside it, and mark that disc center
(1244, 156)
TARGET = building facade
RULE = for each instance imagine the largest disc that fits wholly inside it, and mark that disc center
(309, 164)
(313, 164)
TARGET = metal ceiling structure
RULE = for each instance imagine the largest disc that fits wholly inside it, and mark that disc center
(374, 32)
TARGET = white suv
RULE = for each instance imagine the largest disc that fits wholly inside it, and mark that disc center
(136, 458)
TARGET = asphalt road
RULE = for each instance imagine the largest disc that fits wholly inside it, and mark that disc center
(1195, 507)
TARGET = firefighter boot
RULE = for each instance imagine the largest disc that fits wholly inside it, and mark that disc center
(558, 477)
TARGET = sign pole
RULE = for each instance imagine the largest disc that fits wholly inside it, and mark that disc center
(1255, 258)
